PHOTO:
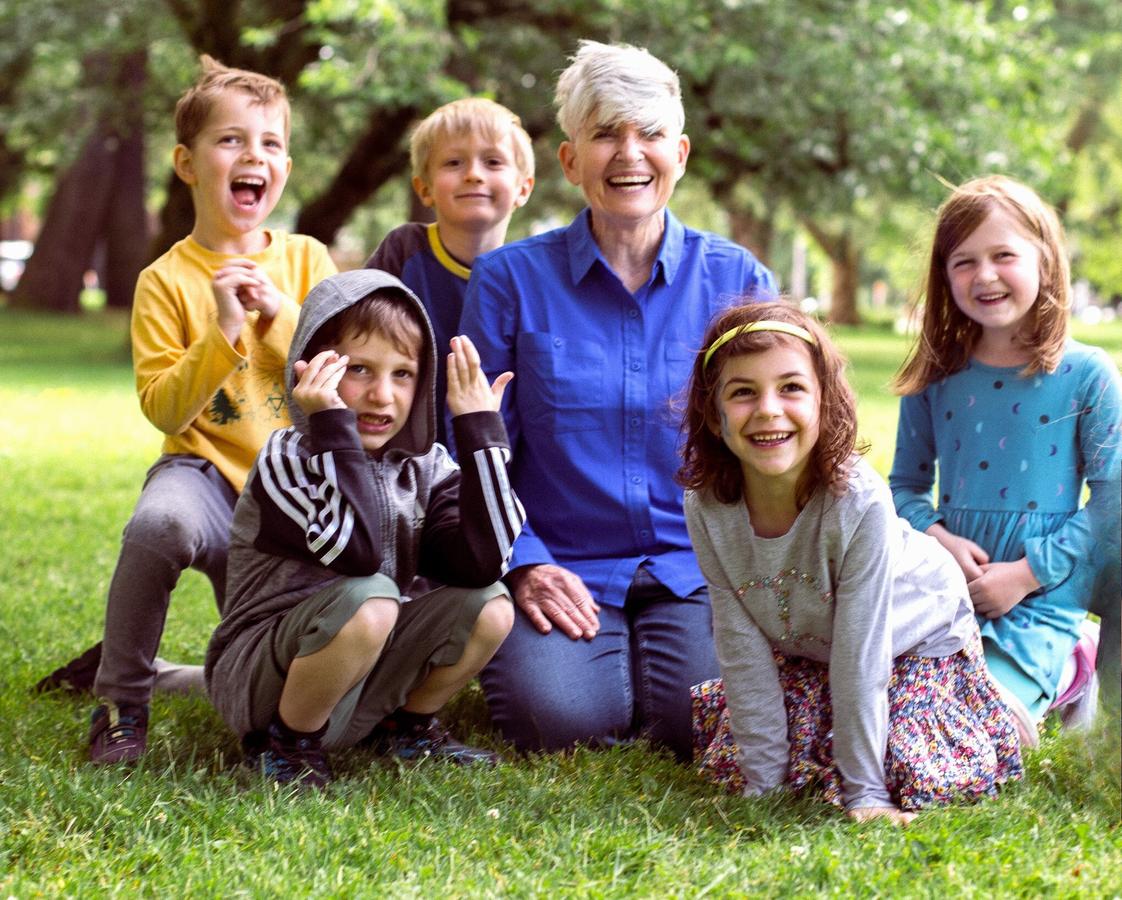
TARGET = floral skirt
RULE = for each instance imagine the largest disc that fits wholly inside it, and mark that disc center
(949, 734)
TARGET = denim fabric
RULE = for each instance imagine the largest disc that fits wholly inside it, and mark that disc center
(182, 520)
(548, 692)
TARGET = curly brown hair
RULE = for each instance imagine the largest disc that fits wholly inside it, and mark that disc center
(706, 462)
(948, 336)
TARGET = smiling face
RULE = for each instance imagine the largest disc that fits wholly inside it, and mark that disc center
(768, 413)
(994, 276)
(627, 174)
(236, 167)
(379, 385)
(474, 182)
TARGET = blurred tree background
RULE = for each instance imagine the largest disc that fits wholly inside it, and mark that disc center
(825, 132)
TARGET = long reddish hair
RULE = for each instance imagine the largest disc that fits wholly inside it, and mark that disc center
(707, 464)
(948, 336)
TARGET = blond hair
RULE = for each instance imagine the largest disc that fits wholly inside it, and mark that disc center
(948, 335)
(470, 115)
(195, 105)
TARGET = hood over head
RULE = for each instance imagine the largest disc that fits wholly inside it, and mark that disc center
(330, 297)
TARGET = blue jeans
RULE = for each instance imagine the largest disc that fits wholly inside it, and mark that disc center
(548, 691)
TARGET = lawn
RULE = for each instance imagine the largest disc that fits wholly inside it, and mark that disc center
(621, 823)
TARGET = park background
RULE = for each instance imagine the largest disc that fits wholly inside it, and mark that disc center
(824, 136)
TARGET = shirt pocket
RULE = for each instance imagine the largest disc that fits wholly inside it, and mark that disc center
(560, 383)
(678, 360)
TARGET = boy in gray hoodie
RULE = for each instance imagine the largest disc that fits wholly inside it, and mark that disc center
(319, 646)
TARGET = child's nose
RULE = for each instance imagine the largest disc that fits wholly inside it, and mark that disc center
(769, 404)
(381, 391)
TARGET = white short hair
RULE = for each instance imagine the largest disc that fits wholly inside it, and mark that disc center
(618, 84)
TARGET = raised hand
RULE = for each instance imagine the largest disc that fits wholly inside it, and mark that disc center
(468, 390)
(317, 385)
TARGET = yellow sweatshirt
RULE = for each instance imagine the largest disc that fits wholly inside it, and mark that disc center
(210, 399)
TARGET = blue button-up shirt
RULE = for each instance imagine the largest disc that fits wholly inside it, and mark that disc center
(594, 436)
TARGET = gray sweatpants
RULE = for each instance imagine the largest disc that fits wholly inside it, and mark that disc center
(182, 520)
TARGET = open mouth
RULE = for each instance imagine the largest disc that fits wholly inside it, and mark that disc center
(990, 298)
(770, 438)
(247, 190)
(631, 182)
(373, 423)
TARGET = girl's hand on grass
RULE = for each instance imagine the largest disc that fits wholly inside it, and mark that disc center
(1001, 586)
(868, 813)
(468, 390)
(969, 556)
(317, 387)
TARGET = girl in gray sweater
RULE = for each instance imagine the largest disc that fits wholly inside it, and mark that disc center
(848, 648)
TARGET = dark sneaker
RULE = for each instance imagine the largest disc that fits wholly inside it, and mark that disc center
(300, 762)
(118, 734)
(426, 740)
(76, 677)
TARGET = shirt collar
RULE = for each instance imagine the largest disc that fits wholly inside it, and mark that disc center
(583, 250)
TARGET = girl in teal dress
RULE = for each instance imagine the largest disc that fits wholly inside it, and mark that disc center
(1010, 418)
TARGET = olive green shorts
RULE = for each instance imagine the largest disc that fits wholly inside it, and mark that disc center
(431, 630)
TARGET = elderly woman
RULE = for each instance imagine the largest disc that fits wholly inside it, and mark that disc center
(599, 322)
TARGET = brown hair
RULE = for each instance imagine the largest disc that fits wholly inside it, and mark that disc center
(384, 312)
(468, 116)
(948, 336)
(196, 104)
(707, 462)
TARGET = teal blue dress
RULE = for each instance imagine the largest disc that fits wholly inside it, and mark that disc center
(1011, 455)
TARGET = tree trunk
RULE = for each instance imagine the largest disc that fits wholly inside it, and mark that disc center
(378, 155)
(100, 197)
(751, 230)
(177, 217)
(845, 258)
(65, 247)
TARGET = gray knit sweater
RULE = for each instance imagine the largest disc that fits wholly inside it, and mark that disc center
(850, 584)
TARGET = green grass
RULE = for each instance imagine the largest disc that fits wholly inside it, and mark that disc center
(629, 822)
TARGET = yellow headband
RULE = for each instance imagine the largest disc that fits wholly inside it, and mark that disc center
(762, 325)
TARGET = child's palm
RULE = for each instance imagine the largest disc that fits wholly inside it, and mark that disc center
(468, 390)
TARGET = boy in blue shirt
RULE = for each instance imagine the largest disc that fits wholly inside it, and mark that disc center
(473, 164)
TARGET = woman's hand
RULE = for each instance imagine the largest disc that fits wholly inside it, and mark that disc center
(317, 385)
(550, 595)
(969, 556)
(868, 813)
(1001, 586)
(468, 390)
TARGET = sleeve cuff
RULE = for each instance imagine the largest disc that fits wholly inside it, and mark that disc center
(334, 429)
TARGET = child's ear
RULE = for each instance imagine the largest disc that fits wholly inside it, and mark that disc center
(524, 192)
(423, 191)
(184, 164)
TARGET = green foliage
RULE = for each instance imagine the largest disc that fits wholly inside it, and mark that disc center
(623, 823)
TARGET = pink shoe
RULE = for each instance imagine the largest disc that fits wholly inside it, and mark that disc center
(1078, 704)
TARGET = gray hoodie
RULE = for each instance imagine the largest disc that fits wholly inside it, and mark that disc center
(317, 507)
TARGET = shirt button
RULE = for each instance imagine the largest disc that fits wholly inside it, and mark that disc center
(557, 342)
(635, 479)
(633, 314)
(635, 367)
(635, 422)
(644, 533)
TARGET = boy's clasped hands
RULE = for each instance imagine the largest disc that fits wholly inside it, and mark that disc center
(239, 287)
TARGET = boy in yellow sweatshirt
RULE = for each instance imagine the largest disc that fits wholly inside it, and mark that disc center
(211, 324)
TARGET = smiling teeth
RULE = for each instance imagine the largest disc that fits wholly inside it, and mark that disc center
(771, 437)
(251, 180)
(624, 180)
